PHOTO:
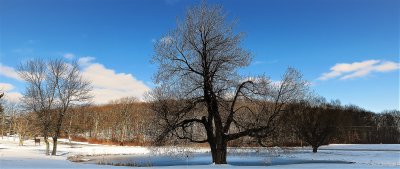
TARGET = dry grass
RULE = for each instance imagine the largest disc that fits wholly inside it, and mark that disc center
(108, 142)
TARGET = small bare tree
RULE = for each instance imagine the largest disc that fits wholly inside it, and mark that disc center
(53, 87)
(40, 94)
(199, 85)
(71, 89)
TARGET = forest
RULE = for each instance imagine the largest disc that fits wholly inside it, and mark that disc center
(130, 122)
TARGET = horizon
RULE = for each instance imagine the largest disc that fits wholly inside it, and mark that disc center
(347, 50)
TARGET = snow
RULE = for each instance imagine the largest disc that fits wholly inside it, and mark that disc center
(383, 147)
(384, 156)
(370, 154)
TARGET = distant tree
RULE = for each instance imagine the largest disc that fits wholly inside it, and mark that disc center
(199, 86)
(125, 112)
(388, 127)
(362, 128)
(23, 122)
(314, 121)
(11, 111)
(16, 121)
(53, 87)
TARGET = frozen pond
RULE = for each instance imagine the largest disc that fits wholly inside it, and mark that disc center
(244, 159)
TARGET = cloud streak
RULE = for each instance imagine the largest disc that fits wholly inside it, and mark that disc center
(9, 72)
(6, 86)
(354, 70)
(69, 56)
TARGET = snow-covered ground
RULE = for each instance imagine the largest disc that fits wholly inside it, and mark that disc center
(362, 156)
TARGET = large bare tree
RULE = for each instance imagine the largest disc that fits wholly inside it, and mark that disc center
(53, 87)
(200, 87)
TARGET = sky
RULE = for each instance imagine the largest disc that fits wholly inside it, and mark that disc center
(346, 49)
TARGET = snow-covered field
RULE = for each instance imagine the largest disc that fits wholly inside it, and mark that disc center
(361, 156)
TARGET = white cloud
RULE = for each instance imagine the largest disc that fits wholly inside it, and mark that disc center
(8, 94)
(387, 66)
(6, 87)
(353, 70)
(252, 78)
(12, 96)
(109, 85)
(9, 72)
(85, 61)
(69, 56)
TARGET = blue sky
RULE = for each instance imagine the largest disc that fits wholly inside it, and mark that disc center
(348, 49)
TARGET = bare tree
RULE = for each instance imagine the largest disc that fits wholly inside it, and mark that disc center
(53, 87)
(71, 89)
(23, 124)
(12, 111)
(39, 95)
(315, 121)
(199, 85)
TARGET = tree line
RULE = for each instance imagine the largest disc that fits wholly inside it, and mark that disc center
(128, 121)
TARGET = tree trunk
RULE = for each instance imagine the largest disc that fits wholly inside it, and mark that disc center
(54, 152)
(57, 133)
(2, 125)
(69, 130)
(9, 128)
(220, 155)
(314, 149)
(21, 140)
(218, 152)
(122, 138)
(217, 143)
(47, 145)
(96, 123)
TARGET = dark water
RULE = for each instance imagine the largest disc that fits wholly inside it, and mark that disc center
(199, 159)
